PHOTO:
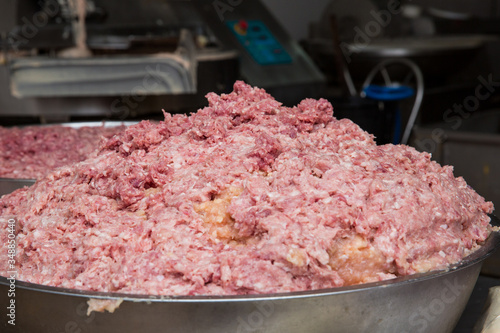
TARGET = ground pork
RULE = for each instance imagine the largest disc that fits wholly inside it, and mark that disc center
(245, 196)
(31, 152)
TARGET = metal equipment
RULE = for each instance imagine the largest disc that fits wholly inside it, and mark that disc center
(122, 59)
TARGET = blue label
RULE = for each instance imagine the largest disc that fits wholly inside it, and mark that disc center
(259, 42)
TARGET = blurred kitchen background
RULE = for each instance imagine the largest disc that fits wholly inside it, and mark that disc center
(420, 72)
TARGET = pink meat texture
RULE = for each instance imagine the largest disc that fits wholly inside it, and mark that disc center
(245, 196)
(31, 152)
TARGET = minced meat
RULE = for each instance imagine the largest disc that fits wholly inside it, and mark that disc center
(245, 196)
(31, 152)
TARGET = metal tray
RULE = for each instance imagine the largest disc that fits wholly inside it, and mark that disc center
(431, 302)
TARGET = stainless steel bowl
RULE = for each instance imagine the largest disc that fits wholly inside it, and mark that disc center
(7, 185)
(431, 302)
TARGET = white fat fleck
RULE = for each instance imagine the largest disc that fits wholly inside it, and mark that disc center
(273, 195)
(322, 257)
(47, 221)
(444, 226)
(258, 285)
(455, 241)
(160, 277)
(125, 236)
(327, 200)
(442, 254)
(397, 205)
(394, 233)
(178, 160)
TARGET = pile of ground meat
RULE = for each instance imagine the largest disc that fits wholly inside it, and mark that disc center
(31, 152)
(243, 197)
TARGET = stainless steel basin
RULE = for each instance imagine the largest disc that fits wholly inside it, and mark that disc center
(431, 302)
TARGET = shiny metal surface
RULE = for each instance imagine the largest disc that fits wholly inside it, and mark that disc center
(288, 83)
(413, 47)
(431, 302)
(437, 56)
(8, 185)
(95, 124)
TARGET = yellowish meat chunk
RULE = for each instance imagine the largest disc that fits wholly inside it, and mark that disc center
(356, 260)
(216, 216)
